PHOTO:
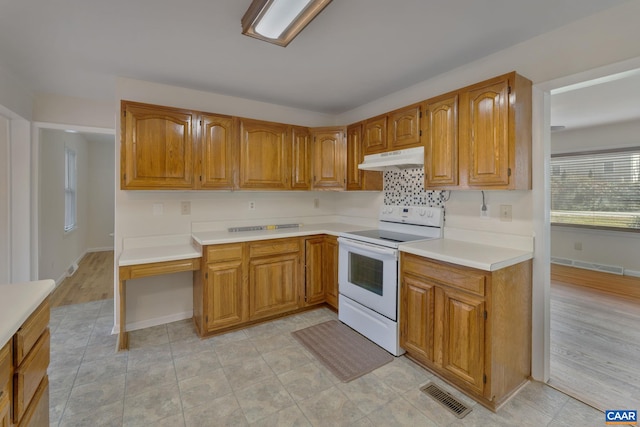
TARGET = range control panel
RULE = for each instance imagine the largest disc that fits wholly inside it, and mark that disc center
(418, 215)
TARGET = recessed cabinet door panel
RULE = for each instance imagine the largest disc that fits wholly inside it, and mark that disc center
(314, 271)
(416, 317)
(329, 159)
(375, 135)
(463, 336)
(441, 142)
(157, 148)
(487, 132)
(264, 155)
(224, 295)
(300, 159)
(217, 152)
(404, 128)
(356, 178)
(273, 285)
(330, 270)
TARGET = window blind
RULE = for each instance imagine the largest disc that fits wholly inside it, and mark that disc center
(70, 185)
(597, 189)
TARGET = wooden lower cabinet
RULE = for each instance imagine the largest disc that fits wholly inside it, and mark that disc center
(24, 384)
(220, 289)
(314, 283)
(470, 327)
(321, 270)
(243, 283)
(274, 282)
(330, 269)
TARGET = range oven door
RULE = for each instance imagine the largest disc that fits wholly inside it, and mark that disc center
(368, 274)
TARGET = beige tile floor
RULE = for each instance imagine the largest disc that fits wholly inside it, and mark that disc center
(256, 376)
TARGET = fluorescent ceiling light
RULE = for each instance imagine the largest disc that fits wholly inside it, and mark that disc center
(279, 21)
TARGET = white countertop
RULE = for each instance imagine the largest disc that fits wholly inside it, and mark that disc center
(476, 255)
(152, 249)
(223, 236)
(17, 302)
(150, 254)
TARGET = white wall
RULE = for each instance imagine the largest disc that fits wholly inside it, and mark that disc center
(5, 247)
(60, 249)
(101, 194)
(66, 110)
(15, 95)
(598, 246)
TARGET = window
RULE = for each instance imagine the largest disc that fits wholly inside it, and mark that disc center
(70, 186)
(596, 189)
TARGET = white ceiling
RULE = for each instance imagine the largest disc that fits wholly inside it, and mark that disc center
(354, 52)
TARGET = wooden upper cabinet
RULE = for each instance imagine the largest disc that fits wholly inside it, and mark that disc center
(440, 134)
(300, 158)
(495, 134)
(404, 128)
(375, 135)
(358, 179)
(329, 165)
(265, 159)
(217, 152)
(157, 147)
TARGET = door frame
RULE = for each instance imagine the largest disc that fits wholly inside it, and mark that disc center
(541, 175)
(36, 128)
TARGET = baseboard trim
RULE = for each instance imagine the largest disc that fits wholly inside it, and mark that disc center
(141, 324)
(625, 286)
(100, 249)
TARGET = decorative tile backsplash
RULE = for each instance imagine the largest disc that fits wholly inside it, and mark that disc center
(405, 187)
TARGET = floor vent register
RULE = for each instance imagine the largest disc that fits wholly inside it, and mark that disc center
(447, 400)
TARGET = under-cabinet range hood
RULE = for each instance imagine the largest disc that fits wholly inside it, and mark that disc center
(400, 159)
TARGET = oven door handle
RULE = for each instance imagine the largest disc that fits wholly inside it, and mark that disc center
(368, 246)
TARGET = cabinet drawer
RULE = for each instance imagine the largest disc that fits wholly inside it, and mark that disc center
(29, 375)
(459, 277)
(5, 366)
(274, 247)
(217, 253)
(30, 332)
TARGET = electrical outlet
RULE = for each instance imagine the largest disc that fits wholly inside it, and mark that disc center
(577, 246)
(505, 213)
(316, 203)
(252, 206)
(484, 212)
(185, 208)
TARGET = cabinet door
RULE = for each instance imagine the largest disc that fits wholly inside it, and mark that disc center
(375, 135)
(441, 142)
(330, 270)
(314, 271)
(273, 285)
(461, 326)
(416, 317)
(358, 179)
(300, 158)
(329, 164)
(264, 155)
(404, 128)
(224, 295)
(217, 152)
(484, 137)
(157, 147)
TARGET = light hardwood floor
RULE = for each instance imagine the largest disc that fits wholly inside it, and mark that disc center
(595, 347)
(93, 281)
